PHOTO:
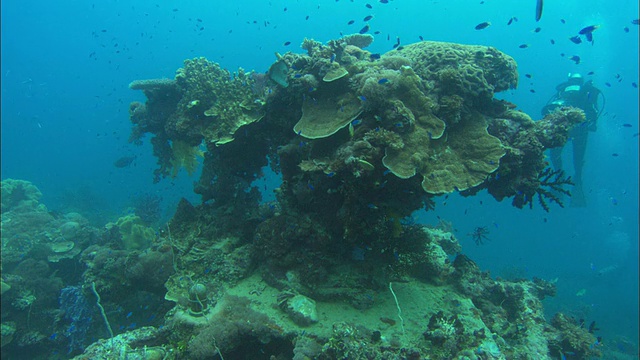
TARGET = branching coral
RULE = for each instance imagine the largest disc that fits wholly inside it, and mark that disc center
(550, 188)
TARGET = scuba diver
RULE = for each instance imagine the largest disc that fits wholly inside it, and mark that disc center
(583, 95)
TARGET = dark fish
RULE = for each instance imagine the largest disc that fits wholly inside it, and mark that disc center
(537, 30)
(615, 155)
(384, 1)
(421, 38)
(374, 56)
(589, 37)
(590, 73)
(306, 17)
(635, 21)
(483, 25)
(528, 76)
(362, 98)
(369, 6)
(575, 58)
(364, 30)
(351, 22)
(607, 84)
(532, 91)
(575, 39)
(367, 18)
(124, 161)
(589, 29)
(635, 85)
(510, 21)
(383, 81)
(553, 42)
(538, 9)
(287, 43)
(627, 125)
(523, 46)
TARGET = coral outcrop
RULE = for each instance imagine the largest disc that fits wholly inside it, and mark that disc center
(334, 267)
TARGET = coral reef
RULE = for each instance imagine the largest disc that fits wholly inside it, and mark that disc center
(335, 267)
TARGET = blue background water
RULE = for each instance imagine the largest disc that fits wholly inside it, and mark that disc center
(66, 67)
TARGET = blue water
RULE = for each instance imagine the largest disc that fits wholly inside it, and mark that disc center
(66, 67)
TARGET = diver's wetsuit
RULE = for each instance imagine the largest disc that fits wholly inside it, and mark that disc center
(584, 96)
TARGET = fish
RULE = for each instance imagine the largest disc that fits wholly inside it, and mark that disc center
(351, 22)
(420, 37)
(383, 81)
(537, 30)
(124, 161)
(635, 85)
(635, 21)
(365, 29)
(287, 43)
(553, 42)
(575, 39)
(627, 125)
(615, 154)
(523, 46)
(528, 76)
(362, 98)
(367, 18)
(589, 29)
(369, 6)
(384, 1)
(589, 37)
(374, 56)
(563, 21)
(575, 58)
(510, 21)
(538, 10)
(626, 29)
(356, 122)
(483, 25)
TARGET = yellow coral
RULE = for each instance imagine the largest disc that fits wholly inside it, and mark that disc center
(184, 156)
(135, 235)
